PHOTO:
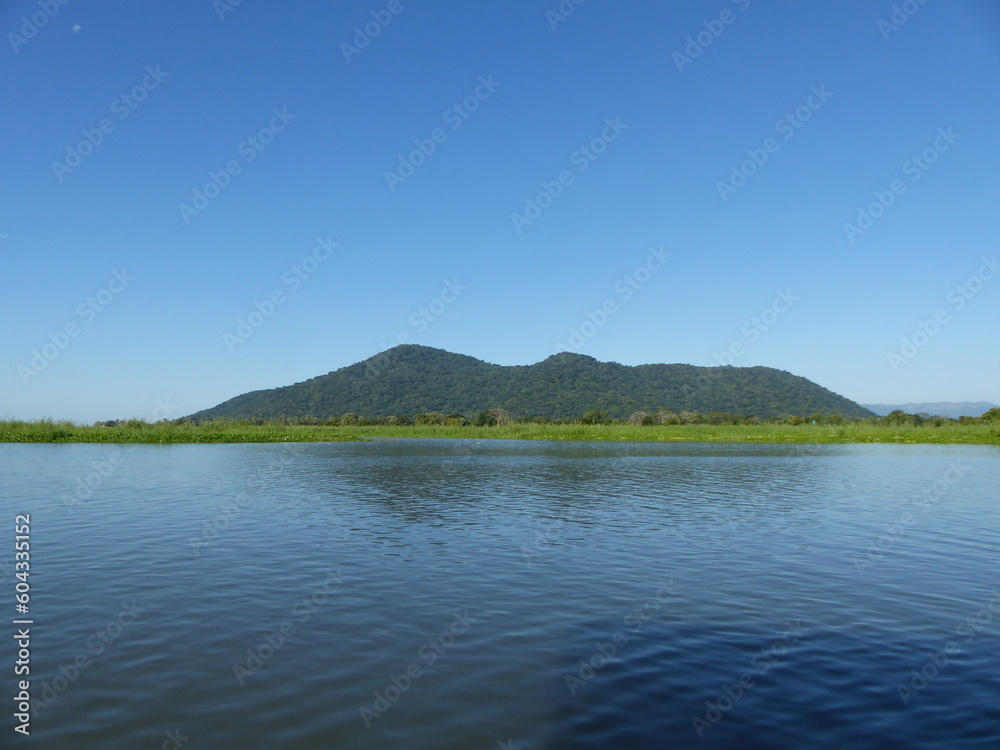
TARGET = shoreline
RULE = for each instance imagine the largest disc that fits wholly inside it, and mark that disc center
(164, 434)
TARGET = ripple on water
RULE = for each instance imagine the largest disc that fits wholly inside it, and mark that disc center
(691, 559)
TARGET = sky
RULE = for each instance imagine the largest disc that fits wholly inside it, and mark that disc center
(201, 199)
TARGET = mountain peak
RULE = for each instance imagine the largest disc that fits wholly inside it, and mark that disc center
(410, 379)
(569, 357)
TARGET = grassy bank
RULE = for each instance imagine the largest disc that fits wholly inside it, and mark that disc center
(236, 432)
(768, 433)
(139, 432)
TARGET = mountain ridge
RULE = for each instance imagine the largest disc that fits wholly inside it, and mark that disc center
(410, 379)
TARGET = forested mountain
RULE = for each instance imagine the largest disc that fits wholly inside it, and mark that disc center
(410, 379)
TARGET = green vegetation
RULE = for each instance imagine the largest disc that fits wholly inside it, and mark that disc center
(896, 428)
(137, 431)
(409, 380)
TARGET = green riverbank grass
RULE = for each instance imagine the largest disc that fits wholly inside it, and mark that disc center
(240, 432)
(140, 432)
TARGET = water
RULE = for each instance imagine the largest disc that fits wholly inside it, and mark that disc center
(442, 594)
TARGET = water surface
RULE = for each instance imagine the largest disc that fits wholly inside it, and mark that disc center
(463, 594)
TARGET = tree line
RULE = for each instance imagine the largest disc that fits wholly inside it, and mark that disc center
(499, 416)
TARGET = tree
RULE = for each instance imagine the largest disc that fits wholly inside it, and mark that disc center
(721, 417)
(638, 417)
(595, 416)
(498, 416)
(412, 378)
(434, 417)
(993, 415)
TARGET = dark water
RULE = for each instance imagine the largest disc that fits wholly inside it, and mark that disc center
(458, 594)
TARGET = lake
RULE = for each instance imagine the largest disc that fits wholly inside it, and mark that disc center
(455, 594)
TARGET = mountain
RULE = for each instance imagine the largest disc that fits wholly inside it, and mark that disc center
(412, 379)
(953, 409)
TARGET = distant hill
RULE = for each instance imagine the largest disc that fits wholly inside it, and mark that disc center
(413, 379)
(953, 409)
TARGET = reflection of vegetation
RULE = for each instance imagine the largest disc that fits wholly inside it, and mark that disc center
(426, 384)
(969, 430)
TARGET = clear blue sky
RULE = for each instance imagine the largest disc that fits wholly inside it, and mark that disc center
(207, 84)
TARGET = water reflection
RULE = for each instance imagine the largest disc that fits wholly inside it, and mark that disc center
(689, 560)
